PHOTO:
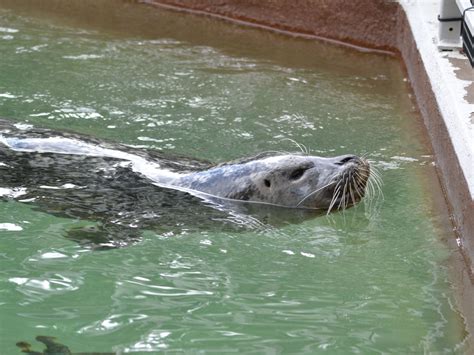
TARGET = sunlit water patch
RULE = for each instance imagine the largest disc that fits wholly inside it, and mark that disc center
(372, 279)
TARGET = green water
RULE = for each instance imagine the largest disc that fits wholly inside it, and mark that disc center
(373, 279)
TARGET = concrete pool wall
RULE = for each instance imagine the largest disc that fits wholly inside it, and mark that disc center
(443, 83)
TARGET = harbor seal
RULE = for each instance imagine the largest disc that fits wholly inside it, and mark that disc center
(127, 189)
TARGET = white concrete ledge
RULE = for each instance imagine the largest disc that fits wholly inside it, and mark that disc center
(452, 81)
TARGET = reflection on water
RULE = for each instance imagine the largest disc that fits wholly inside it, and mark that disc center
(366, 280)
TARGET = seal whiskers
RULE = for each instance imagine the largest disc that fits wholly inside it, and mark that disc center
(334, 197)
(304, 149)
(371, 183)
(312, 193)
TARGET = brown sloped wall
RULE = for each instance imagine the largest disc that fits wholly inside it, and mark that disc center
(449, 169)
(366, 23)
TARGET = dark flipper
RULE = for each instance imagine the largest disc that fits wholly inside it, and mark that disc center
(26, 348)
(52, 347)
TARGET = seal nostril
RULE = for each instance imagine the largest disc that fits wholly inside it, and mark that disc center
(346, 160)
(267, 183)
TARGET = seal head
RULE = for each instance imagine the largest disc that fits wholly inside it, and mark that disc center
(289, 180)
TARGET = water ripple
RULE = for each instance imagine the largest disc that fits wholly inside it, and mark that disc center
(168, 291)
(37, 289)
(112, 323)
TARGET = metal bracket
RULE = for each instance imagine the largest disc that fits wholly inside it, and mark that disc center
(449, 33)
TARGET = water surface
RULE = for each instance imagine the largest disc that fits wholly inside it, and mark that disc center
(370, 280)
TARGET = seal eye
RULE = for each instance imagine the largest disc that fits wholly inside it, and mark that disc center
(267, 183)
(296, 174)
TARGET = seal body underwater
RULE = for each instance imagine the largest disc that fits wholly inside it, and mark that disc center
(127, 189)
